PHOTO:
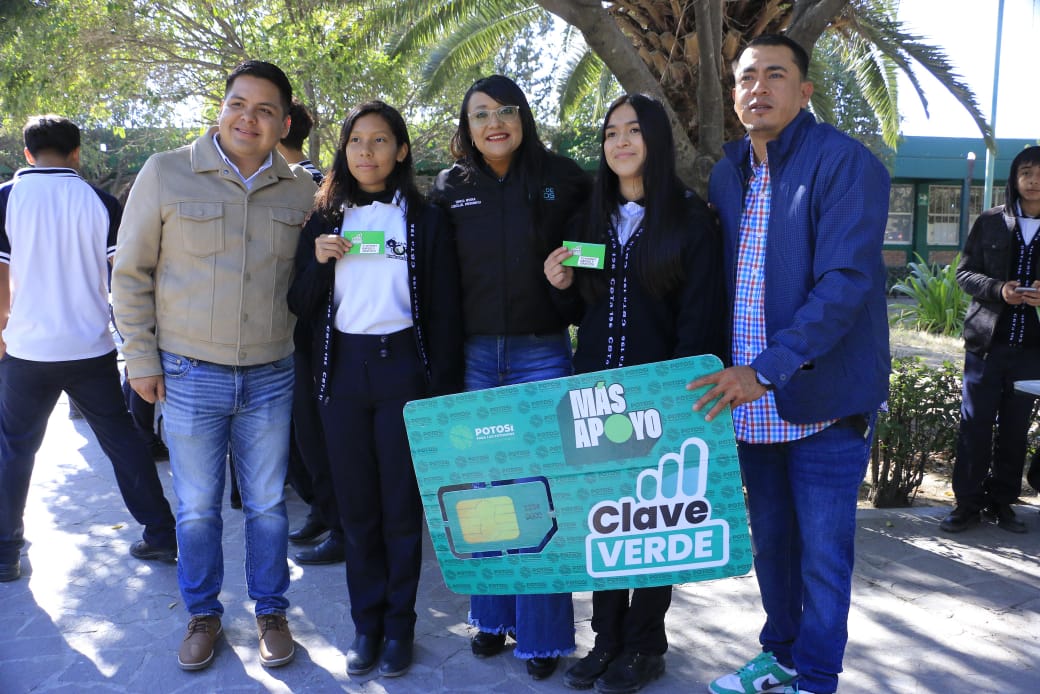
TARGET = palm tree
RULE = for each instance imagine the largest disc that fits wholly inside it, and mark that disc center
(663, 47)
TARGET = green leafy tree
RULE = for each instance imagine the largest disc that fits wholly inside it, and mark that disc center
(131, 64)
(664, 47)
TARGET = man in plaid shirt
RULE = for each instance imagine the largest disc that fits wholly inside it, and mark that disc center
(803, 210)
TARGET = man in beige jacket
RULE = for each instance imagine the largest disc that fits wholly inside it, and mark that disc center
(202, 268)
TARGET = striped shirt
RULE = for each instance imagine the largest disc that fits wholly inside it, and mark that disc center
(758, 421)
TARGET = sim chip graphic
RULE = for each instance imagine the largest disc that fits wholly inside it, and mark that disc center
(498, 518)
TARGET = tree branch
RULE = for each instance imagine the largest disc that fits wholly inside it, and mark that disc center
(810, 18)
(603, 35)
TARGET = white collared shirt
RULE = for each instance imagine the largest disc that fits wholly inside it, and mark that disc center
(1028, 225)
(627, 219)
(247, 181)
(371, 291)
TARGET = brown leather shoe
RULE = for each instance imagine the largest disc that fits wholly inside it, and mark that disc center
(197, 647)
(276, 643)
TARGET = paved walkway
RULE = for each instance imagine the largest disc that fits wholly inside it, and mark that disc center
(931, 612)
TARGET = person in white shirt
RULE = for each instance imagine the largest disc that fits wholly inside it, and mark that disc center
(388, 328)
(57, 233)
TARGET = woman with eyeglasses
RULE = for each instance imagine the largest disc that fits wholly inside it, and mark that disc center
(509, 199)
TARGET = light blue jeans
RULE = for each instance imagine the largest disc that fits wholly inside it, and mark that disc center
(802, 508)
(207, 407)
(542, 624)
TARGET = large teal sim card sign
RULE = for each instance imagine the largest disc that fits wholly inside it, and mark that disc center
(595, 482)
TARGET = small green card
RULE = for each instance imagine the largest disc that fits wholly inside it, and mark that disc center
(366, 242)
(586, 255)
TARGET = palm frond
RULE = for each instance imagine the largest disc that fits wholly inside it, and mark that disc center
(580, 78)
(822, 100)
(475, 40)
(875, 76)
(893, 41)
(414, 25)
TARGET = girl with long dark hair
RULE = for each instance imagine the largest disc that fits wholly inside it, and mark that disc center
(509, 200)
(387, 325)
(660, 296)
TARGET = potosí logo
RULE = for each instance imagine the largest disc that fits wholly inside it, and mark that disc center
(596, 425)
(463, 436)
(667, 528)
(493, 431)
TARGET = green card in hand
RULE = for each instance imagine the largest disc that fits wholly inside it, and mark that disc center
(586, 255)
(366, 242)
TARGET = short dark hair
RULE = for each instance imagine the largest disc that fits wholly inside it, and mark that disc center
(267, 71)
(801, 58)
(51, 133)
(300, 124)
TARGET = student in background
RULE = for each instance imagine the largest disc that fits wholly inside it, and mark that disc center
(1000, 270)
(57, 234)
(308, 463)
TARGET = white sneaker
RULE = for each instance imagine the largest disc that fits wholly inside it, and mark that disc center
(762, 674)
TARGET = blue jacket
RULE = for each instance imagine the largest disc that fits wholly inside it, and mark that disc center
(826, 316)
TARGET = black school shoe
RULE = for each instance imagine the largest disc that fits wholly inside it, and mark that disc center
(1004, 515)
(331, 550)
(147, 552)
(630, 673)
(960, 519)
(540, 668)
(397, 657)
(486, 644)
(309, 534)
(363, 654)
(584, 673)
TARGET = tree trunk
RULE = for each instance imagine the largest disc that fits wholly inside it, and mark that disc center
(652, 46)
(604, 36)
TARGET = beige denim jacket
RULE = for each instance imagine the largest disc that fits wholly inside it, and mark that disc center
(203, 265)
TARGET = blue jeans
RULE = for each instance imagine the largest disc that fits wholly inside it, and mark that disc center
(802, 508)
(207, 407)
(542, 624)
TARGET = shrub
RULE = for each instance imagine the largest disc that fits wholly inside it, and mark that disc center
(921, 420)
(939, 303)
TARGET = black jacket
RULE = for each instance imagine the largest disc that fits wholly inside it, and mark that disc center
(432, 285)
(503, 234)
(689, 320)
(988, 260)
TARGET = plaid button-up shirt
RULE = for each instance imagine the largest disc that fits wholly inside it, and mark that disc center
(758, 421)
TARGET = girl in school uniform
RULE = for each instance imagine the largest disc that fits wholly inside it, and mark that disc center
(387, 321)
(660, 296)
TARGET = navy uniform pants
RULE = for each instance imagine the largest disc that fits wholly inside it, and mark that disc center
(371, 464)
